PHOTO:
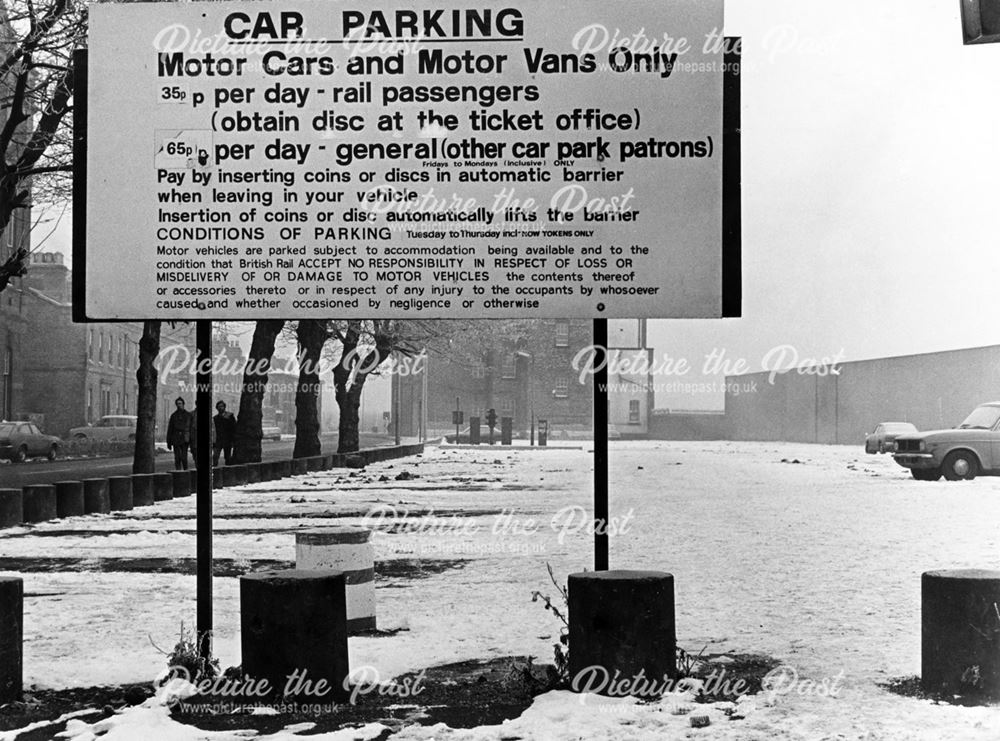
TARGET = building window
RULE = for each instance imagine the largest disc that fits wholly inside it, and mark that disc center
(90, 404)
(562, 387)
(478, 370)
(508, 369)
(100, 347)
(506, 406)
(562, 334)
(633, 411)
(121, 352)
(90, 345)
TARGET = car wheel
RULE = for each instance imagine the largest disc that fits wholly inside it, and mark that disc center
(881, 447)
(21, 455)
(926, 474)
(960, 465)
(53, 452)
(79, 436)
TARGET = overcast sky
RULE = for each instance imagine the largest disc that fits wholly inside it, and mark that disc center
(870, 190)
(870, 194)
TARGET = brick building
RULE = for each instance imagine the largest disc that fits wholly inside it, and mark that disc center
(77, 373)
(525, 373)
(13, 322)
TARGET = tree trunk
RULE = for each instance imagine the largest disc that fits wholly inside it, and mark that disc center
(246, 442)
(350, 403)
(312, 334)
(144, 457)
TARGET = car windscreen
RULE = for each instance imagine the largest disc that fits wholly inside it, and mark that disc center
(982, 418)
(6, 429)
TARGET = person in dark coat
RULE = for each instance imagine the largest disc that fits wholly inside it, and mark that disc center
(225, 432)
(179, 434)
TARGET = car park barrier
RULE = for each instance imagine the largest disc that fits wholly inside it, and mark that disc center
(69, 498)
(960, 625)
(295, 622)
(11, 638)
(621, 624)
(95, 497)
(39, 503)
(11, 507)
(120, 493)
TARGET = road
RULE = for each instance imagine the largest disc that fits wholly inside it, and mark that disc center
(41, 471)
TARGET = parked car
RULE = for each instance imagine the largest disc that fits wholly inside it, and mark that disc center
(613, 432)
(108, 427)
(883, 438)
(22, 440)
(270, 432)
(964, 452)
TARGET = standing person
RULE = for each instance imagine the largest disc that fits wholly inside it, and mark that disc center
(179, 434)
(225, 431)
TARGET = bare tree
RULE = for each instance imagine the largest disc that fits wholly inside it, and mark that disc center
(312, 334)
(246, 445)
(37, 42)
(144, 457)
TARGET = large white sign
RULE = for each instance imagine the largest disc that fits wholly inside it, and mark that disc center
(318, 159)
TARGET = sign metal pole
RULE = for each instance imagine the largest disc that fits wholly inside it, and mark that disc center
(601, 445)
(203, 462)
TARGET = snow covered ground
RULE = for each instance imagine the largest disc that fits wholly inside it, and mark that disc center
(809, 554)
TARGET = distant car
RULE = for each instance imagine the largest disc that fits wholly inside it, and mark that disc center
(613, 433)
(22, 440)
(964, 452)
(270, 432)
(118, 427)
(883, 438)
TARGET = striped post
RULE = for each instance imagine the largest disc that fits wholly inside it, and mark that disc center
(345, 548)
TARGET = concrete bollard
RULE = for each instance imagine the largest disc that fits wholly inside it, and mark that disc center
(960, 625)
(163, 487)
(295, 621)
(266, 471)
(282, 469)
(233, 475)
(217, 478)
(299, 466)
(180, 483)
(193, 485)
(622, 622)
(348, 549)
(120, 493)
(314, 463)
(11, 508)
(11, 638)
(95, 497)
(253, 473)
(39, 503)
(142, 490)
(69, 498)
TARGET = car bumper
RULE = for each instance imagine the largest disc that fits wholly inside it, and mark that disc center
(916, 460)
